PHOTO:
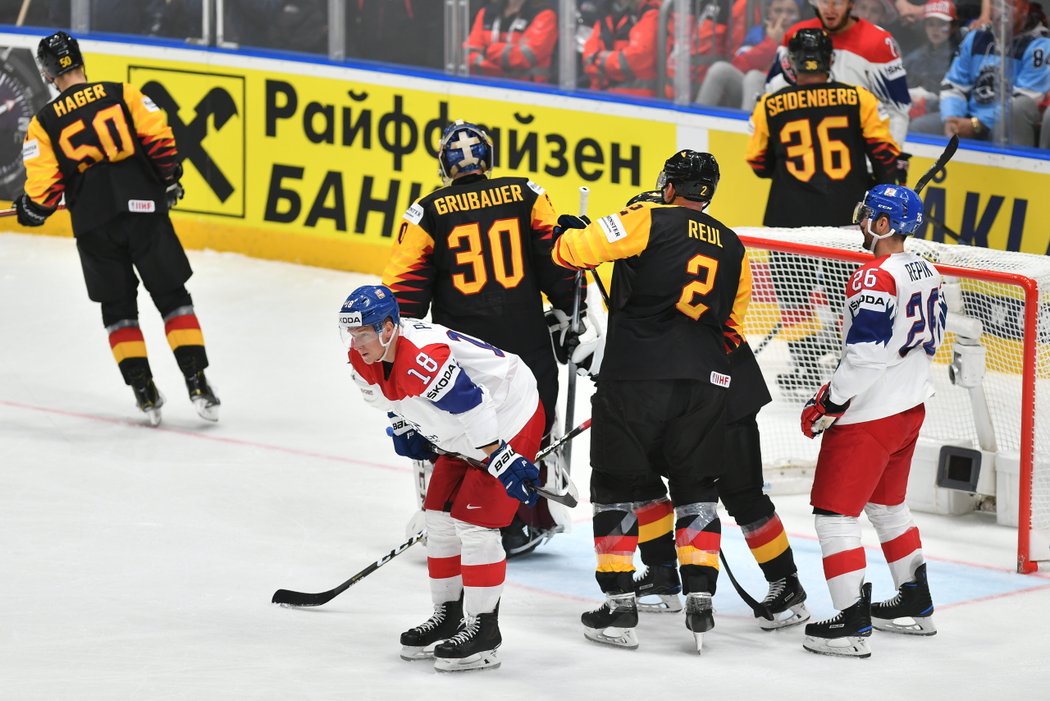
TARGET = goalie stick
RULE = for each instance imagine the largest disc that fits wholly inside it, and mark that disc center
(287, 597)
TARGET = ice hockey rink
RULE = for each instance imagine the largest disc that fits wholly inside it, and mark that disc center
(138, 563)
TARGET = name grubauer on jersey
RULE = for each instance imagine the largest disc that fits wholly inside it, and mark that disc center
(459, 392)
(893, 324)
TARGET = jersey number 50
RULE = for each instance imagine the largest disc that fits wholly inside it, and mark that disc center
(507, 269)
(106, 124)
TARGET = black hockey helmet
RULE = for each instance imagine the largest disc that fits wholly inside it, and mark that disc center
(809, 51)
(647, 196)
(693, 174)
(58, 54)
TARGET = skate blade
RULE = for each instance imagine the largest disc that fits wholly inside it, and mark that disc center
(617, 637)
(906, 625)
(849, 646)
(664, 603)
(476, 662)
(208, 411)
(785, 619)
(699, 639)
(413, 653)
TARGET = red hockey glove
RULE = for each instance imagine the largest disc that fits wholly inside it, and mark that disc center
(820, 412)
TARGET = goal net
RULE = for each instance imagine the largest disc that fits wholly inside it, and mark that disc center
(991, 373)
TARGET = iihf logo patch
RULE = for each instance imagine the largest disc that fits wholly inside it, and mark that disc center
(720, 380)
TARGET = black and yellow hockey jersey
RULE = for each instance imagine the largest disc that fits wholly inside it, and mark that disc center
(813, 141)
(106, 147)
(680, 288)
(477, 254)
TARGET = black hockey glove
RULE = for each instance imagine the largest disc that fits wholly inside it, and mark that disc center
(173, 193)
(29, 213)
(564, 338)
(570, 221)
(902, 168)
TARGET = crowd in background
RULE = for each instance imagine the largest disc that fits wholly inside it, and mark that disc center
(732, 45)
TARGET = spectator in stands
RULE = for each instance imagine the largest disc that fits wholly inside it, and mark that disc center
(716, 32)
(969, 103)
(287, 25)
(406, 32)
(927, 64)
(619, 56)
(739, 82)
(514, 39)
(884, 13)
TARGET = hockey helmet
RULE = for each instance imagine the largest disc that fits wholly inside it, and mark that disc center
(655, 196)
(693, 174)
(901, 205)
(810, 51)
(464, 148)
(58, 54)
(368, 305)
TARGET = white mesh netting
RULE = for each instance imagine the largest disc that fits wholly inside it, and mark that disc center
(795, 319)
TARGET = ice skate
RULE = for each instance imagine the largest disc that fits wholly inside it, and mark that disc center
(613, 623)
(910, 611)
(521, 539)
(149, 400)
(699, 617)
(845, 634)
(202, 396)
(474, 647)
(418, 643)
(660, 585)
(785, 604)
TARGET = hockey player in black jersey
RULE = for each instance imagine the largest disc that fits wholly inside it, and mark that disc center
(108, 149)
(680, 287)
(476, 253)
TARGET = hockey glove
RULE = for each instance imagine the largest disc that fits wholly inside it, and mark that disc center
(408, 442)
(173, 193)
(570, 221)
(820, 412)
(902, 168)
(515, 472)
(29, 213)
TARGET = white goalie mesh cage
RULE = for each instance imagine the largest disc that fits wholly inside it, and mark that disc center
(999, 307)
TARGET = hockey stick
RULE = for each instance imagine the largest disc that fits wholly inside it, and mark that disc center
(12, 211)
(577, 300)
(946, 155)
(286, 597)
(769, 337)
(753, 603)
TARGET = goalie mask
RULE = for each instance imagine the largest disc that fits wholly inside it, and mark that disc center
(810, 51)
(465, 148)
(58, 54)
(693, 174)
(901, 205)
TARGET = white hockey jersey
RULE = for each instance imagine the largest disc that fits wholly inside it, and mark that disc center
(892, 326)
(459, 392)
(864, 55)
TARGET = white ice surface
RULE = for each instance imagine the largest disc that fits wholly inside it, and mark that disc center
(139, 563)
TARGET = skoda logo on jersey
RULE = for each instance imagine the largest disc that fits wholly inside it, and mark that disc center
(211, 140)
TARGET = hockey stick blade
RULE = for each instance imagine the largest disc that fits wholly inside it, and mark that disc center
(946, 155)
(287, 597)
(569, 498)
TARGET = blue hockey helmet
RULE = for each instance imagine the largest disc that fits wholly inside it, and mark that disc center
(900, 204)
(464, 148)
(369, 305)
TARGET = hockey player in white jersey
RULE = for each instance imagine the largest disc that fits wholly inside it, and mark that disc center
(453, 397)
(865, 54)
(870, 414)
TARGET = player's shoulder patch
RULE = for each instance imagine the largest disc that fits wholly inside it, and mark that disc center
(149, 104)
(30, 149)
(414, 213)
(535, 188)
(613, 227)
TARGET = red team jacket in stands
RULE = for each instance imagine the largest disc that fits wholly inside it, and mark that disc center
(518, 47)
(459, 392)
(865, 55)
(711, 40)
(620, 54)
(893, 324)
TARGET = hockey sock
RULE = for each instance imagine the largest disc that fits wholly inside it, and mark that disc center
(615, 540)
(129, 350)
(900, 539)
(655, 526)
(844, 560)
(186, 340)
(443, 557)
(484, 567)
(769, 545)
(698, 537)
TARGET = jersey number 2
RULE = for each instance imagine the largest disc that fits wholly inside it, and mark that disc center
(507, 269)
(704, 268)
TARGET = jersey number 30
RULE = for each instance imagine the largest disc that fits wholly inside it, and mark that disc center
(507, 266)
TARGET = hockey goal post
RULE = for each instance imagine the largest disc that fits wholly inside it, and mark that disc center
(991, 374)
